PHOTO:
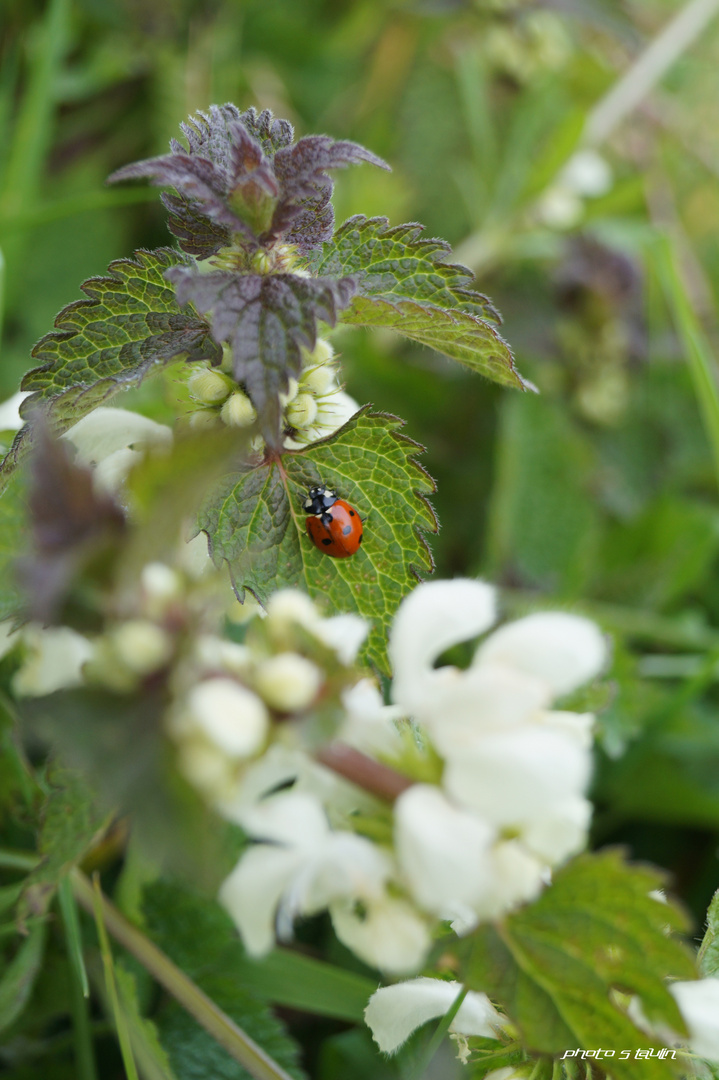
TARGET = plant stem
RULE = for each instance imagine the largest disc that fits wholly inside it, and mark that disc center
(258, 1063)
(17, 860)
(364, 771)
(441, 1030)
(649, 68)
(79, 987)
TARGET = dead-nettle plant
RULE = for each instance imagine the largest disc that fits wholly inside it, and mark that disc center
(458, 845)
(260, 277)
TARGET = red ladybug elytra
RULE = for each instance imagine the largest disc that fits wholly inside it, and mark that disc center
(334, 526)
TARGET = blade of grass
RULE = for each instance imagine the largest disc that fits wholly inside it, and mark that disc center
(123, 1035)
(108, 967)
(237, 1043)
(440, 1031)
(79, 987)
(695, 345)
(32, 133)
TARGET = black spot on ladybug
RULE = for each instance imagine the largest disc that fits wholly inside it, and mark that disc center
(352, 513)
(327, 541)
(361, 539)
(347, 530)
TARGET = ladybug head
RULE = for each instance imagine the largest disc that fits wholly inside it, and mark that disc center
(319, 499)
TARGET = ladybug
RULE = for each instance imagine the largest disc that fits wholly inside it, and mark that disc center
(334, 526)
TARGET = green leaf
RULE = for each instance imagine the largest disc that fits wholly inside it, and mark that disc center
(405, 285)
(13, 538)
(709, 948)
(129, 325)
(200, 936)
(70, 825)
(256, 523)
(18, 978)
(558, 964)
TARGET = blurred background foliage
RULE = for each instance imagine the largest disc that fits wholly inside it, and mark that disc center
(601, 493)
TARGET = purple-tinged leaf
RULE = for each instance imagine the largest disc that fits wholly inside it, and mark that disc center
(266, 319)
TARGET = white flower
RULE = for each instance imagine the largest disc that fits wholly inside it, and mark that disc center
(288, 682)
(394, 1012)
(509, 759)
(231, 717)
(112, 441)
(302, 870)
(698, 1002)
(333, 410)
(369, 725)
(56, 656)
(455, 864)
(10, 419)
(289, 608)
(141, 645)
(387, 933)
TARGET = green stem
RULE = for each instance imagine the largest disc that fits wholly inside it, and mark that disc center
(258, 1063)
(440, 1032)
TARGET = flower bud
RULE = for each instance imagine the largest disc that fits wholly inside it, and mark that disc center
(206, 767)
(238, 411)
(210, 387)
(321, 379)
(203, 420)
(322, 352)
(230, 715)
(290, 393)
(161, 586)
(287, 609)
(288, 682)
(142, 646)
(302, 411)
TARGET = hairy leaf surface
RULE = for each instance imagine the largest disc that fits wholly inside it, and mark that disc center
(201, 935)
(405, 285)
(70, 823)
(130, 325)
(594, 932)
(256, 523)
(200, 939)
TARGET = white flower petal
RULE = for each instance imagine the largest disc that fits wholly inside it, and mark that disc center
(293, 818)
(509, 777)
(110, 474)
(445, 853)
(10, 419)
(394, 1012)
(435, 616)
(8, 637)
(333, 410)
(387, 934)
(467, 704)
(105, 431)
(558, 832)
(698, 1002)
(252, 892)
(346, 865)
(576, 726)
(369, 724)
(517, 877)
(342, 633)
(56, 656)
(564, 650)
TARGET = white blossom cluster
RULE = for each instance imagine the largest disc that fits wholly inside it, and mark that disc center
(313, 406)
(495, 795)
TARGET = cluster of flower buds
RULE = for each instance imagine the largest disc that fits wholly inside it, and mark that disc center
(314, 405)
